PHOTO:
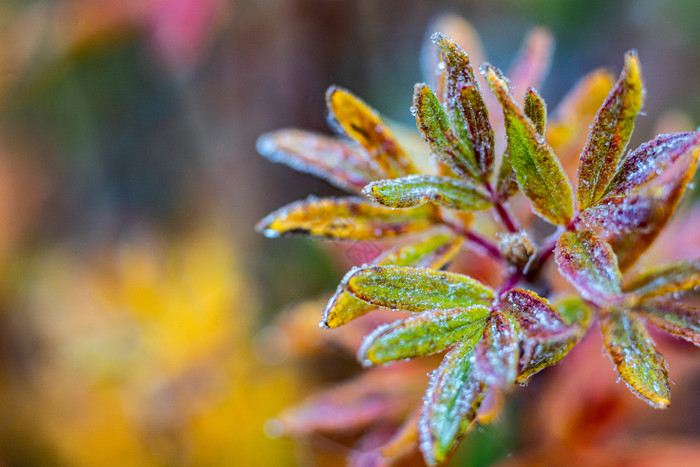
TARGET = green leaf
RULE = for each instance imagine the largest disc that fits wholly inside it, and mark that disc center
(434, 124)
(496, 356)
(450, 404)
(674, 317)
(573, 310)
(423, 334)
(610, 134)
(354, 118)
(538, 171)
(546, 336)
(344, 219)
(434, 252)
(633, 352)
(536, 110)
(415, 289)
(333, 160)
(416, 190)
(589, 264)
(667, 279)
(507, 183)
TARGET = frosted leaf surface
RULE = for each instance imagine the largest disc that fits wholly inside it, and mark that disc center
(497, 354)
(651, 159)
(415, 289)
(344, 219)
(450, 404)
(667, 279)
(610, 133)
(589, 264)
(433, 252)
(351, 116)
(627, 213)
(537, 170)
(423, 334)
(674, 317)
(416, 190)
(435, 127)
(634, 355)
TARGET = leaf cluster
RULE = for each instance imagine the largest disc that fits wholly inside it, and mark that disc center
(495, 336)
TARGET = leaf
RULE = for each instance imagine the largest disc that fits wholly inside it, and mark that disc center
(536, 110)
(433, 252)
(627, 213)
(353, 117)
(415, 289)
(669, 278)
(532, 61)
(352, 405)
(423, 334)
(465, 105)
(629, 247)
(434, 124)
(610, 134)
(589, 264)
(460, 32)
(344, 218)
(328, 158)
(416, 190)
(496, 355)
(573, 311)
(673, 317)
(476, 116)
(633, 352)
(450, 404)
(547, 338)
(650, 159)
(539, 173)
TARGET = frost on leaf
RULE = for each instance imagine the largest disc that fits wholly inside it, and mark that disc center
(651, 159)
(497, 354)
(623, 214)
(433, 252)
(336, 162)
(629, 247)
(536, 110)
(633, 353)
(416, 190)
(415, 289)
(538, 171)
(589, 264)
(610, 134)
(450, 405)
(667, 279)
(434, 124)
(423, 334)
(672, 316)
(354, 118)
(546, 336)
(344, 219)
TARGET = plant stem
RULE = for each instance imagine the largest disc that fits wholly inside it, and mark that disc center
(502, 212)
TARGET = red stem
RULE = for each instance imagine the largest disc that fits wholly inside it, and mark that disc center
(501, 211)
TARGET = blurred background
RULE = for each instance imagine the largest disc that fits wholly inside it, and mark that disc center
(137, 304)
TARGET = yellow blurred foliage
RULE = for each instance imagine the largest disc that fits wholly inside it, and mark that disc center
(144, 357)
